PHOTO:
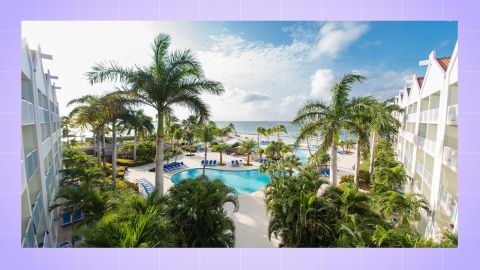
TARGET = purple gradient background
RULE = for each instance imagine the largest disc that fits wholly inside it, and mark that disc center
(12, 256)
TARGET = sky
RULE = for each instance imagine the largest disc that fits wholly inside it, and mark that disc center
(268, 69)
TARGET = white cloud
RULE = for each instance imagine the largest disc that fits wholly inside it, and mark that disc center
(322, 82)
(334, 37)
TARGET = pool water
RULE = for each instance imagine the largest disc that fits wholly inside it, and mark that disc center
(302, 154)
(245, 181)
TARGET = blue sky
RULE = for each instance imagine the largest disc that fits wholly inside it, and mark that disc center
(269, 69)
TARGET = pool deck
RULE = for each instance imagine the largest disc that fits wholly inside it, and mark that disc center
(251, 220)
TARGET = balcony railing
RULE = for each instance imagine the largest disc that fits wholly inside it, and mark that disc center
(424, 173)
(452, 115)
(448, 203)
(37, 210)
(31, 164)
(46, 241)
(29, 239)
(450, 158)
(409, 136)
(427, 145)
(49, 178)
(429, 116)
(28, 113)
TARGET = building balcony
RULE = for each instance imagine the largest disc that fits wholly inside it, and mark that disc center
(37, 210)
(412, 117)
(450, 158)
(28, 113)
(31, 163)
(49, 178)
(452, 115)
(448, 203)
(424, 173)
(427, 145)
(29, 238)
(429, 116)
(409, 136)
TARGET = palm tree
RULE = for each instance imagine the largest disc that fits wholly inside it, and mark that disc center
(141, 125)
(174, 78)
(223, 132)
(260, 152)
(232, 127)
(290, 163)
(260, 131)
(196, 207)
(206, 136)
(86, 114)
(383, 124)
(71, 199)
(268, 132)
(221, 147)
(65, 124)
(329, 119)
(280, 129)
(247, 147)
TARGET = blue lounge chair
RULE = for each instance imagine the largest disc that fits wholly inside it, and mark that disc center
(203, 162)
(236, 163)
(341, 152)
(66, 219)
(233, 163)
(210, 163)
(181, 163)
(65, 244)
(215, 162)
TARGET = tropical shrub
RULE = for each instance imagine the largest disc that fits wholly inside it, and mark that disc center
(195, 207)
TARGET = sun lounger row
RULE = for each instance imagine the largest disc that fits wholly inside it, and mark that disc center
(146, 185)
(263, 160)
(67, 217)
(173, 166)
(341, 152)
(209, 162)
(264, 142)
(325, 172)
(235, 163)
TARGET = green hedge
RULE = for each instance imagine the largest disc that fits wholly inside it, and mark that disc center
(130, 162)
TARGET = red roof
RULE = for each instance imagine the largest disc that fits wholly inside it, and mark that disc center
(420, 81)
(444, 61)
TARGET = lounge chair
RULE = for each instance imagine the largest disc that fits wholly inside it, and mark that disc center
(233, 163)
(341, 152)
(236, 163)
(66, 219)
(215, 162)
(203, 162)
(210, 163)
(65, 244)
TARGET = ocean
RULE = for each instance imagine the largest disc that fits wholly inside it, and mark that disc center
(250, 128)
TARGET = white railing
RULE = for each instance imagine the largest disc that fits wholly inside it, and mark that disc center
(427, 145)
(49, 177)
(424, 173)
(31, 163)
(450, 158)
(37, 210)
(46, 145)
(29, 239)
(412, 117)
(28, 113)
(46, 241)
(429, 116)
(448, 203)
(452, 115)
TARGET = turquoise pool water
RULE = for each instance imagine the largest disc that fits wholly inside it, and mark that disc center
(302, 154)
(244, 182)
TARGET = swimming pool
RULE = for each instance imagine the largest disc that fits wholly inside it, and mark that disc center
(245, 181)
(302, 154)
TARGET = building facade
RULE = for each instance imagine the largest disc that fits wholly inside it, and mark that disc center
(427, 143)
(41, 150)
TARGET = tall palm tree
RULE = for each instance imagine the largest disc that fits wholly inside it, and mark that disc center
(383, 124)
(206, 136)
(65, 124)
(290, 163)
(260, 131)
(220, 148)
(174, 78)
(280, 129)
(86, 115)
(141, 124)
(329, 119)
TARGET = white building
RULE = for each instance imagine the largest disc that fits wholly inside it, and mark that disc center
(41, 150)
(428, 140)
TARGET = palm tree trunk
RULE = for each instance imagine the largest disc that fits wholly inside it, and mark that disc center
(372, 153)
(333, 165)
(221, 158)
(248, 158)
(205, 162)
(135, 145)
(104, 157)
(258, 139)
(114, 154)
(308, 146)
(99, 148)
(159, 156)
(357, 162)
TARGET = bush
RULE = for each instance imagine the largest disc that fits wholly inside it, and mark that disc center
(346, 179)
(146, 151)
(190, 148)
(131, 162)
(364, 176)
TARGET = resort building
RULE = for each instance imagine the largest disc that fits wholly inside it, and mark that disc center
(41, 149)
(428, 140)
